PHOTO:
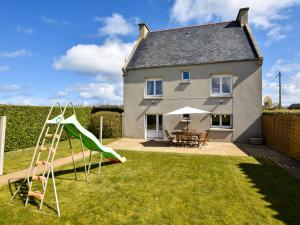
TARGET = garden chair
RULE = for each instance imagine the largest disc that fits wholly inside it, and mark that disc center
(170, 139)
(203, 139)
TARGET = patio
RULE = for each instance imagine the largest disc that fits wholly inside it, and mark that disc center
(213, 148)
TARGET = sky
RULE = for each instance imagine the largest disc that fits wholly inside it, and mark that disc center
(62, 50)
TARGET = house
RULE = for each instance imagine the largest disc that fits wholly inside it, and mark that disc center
(294, 106)
(214, 67)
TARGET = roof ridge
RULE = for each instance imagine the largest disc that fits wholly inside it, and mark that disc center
(201, 25)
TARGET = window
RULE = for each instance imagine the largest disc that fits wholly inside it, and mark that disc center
(221, 121)
(221, 85)
(185, 76)
(186, 118)
(153, 87)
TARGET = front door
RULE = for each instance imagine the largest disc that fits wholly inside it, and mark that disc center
(154, 128)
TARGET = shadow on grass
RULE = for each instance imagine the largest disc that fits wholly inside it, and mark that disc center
(81, 169)
(15, 183)
(278, 188)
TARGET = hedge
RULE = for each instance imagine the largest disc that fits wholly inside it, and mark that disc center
(112, 124)
(24, 123)
(282, 112)
(110, 108)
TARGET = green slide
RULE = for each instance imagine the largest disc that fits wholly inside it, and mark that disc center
(74, 128)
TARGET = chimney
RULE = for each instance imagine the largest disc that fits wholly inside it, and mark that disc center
(242, 16)
(143, 30)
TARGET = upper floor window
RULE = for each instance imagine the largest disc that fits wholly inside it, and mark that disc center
(153, 87)
(221, 121)
(221, 85)
(186, 76)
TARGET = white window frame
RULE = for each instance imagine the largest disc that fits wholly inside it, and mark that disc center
(185, 80)
(221, 91)
(154, 95)
(220, 121)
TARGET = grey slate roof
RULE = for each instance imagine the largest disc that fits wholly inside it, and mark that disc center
(209, 43)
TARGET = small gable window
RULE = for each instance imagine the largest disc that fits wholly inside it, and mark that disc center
(186, 76)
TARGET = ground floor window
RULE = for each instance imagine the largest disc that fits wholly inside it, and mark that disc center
(221, 121)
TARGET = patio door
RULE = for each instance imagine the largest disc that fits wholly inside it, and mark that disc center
(154, 128)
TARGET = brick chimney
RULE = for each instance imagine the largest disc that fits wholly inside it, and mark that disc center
(143, 30)
(242, 16)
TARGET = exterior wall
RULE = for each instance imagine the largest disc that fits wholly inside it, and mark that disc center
(245, 103)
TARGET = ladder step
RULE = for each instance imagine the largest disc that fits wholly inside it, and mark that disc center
(50, 136)
(37, 194)
(43, 162)
(39, 178)
(47, 149)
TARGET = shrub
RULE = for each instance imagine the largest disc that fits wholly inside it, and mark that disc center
(24, 123)
(110, 108)
(282, 112)
(112, 124)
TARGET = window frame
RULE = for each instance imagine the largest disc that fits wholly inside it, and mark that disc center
(220, 121)
(185, 80)
(154, 88)
(220, 94)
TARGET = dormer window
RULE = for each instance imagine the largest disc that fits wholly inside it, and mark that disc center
(186, 76)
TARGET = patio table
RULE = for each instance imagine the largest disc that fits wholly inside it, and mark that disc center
(186, 134)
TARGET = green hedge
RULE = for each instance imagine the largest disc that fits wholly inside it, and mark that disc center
(112, 124)
(24, 123)
(282, 112)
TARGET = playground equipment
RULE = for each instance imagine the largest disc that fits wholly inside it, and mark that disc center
(73, 129)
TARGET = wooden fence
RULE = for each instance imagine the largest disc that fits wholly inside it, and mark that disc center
(282, 133)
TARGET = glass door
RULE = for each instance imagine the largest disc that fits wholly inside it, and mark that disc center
(154, 128)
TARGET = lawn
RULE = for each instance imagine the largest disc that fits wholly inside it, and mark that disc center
(20, 159)
(163, 188)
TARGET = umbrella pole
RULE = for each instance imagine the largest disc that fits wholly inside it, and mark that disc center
(187, 124)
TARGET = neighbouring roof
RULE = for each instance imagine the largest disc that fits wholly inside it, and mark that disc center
(210, 43)
(294, 106)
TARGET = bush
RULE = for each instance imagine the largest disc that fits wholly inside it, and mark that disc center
(282, 112)
(112, 124)
(110, 108)
(24, 123)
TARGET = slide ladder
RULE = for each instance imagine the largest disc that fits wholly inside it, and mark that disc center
(46, 147)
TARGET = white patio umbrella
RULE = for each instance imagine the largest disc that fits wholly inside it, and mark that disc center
(187, 110)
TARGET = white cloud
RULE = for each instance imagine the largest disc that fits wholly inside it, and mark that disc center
(9, 88)
(284, 67)
(264, 14)
(22, 29)
(4, 68)
(104, 61)
(14, 54)
(53, 21)
(62, 93)
(107, 58)
(116, 24)
(105, 93)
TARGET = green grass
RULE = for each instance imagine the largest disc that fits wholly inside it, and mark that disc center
(20, 159)
(162, 188)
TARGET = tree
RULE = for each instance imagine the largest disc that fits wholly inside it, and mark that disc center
(268, 102)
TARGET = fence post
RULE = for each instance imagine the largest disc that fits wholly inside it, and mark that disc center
(2, 142)
(101, 128)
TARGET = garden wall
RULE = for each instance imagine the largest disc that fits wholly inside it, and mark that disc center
(281, 131)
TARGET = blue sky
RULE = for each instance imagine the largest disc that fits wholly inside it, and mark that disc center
(59, 50)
